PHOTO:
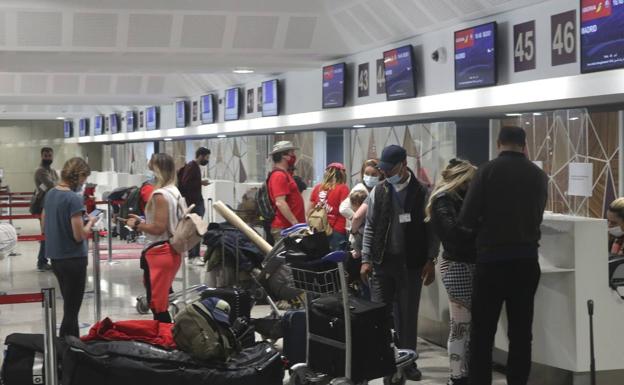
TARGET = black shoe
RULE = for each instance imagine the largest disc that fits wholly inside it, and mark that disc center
(458, 381)
(44, 267)
(412, 373)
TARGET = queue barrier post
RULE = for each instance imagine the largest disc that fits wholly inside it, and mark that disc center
(109, 219)
(97, 293)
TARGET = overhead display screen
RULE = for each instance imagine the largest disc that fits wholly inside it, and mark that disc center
(399, 73)
(151, 120)
(98, 128)
(113, 121)
(475, 57)
(130, 121)
(231, 104)
(181, 114)
(68, 129)
(269, 98)
(207, 109)
(334, 85)
(602, 35)
(83, 127)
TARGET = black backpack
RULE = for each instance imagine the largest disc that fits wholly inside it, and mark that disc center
(266, 211)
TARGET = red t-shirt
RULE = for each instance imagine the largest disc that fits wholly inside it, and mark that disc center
(334, 197)
(146, 193)
(282, 184)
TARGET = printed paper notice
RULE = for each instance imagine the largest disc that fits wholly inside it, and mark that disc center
(539, 164)
(580, 179)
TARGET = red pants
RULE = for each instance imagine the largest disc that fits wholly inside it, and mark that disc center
(160, 263)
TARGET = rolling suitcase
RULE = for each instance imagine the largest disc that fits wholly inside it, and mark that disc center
(23, 359)
(372, 351)
(294, 331)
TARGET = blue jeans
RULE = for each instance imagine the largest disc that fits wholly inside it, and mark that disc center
(199, 209)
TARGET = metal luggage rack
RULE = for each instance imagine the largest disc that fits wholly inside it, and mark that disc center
(325, 282)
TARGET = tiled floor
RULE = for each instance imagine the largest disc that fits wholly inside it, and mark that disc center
(121, 283)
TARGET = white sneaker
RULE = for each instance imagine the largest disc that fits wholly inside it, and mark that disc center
(197, 261)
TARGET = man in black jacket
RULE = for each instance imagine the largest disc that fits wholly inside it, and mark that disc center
(505, 205)
(398, 246)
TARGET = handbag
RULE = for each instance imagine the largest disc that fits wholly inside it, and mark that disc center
(318, 219)
(190, 229)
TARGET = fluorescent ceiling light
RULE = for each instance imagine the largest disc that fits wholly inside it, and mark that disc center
(280, 132)
(513, 114)
(167, 139)
(537, 114)
(574, 118)
(243, 70)
(221, 136)
(60, 117)
(359, 125)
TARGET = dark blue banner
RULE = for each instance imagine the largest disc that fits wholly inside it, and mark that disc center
(231, 104)
(269, 98)
(602, 35)
(475, 57)
(206, 109)
(399, 73)
(334, 85)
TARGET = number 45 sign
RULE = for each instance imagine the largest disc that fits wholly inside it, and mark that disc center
(524, 46)
(563, 38)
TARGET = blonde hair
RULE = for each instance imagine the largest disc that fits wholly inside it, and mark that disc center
(73, 170)
(456, 174)
(617, 207)
(164, 170)
(333, 177)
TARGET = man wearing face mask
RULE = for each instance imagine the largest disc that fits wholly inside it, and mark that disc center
(398, 246)
(283, 191)
(190, 184)
(45, 179)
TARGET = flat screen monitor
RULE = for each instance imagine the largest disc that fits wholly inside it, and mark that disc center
(151, 118)
(181, 113)
(475, 57)
(270, 100)
(334, 85)
(130, 121)
(207, 109)
(232, 104)
(68, 129)
(113, 123)
(602, 35)
(399, 73)
(83, 127)
(98, 125)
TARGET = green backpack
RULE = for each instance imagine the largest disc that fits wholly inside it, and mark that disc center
(198, 333)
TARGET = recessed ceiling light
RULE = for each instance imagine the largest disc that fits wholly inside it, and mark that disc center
(242, 70)
(359, 125)
(280, 132)
(574, 118)
(537, 114)
(167, 139)
(527, 122)
(60, 117)
(513, 114)
(221, 136)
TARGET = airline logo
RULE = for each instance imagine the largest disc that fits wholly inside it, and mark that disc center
(595, 9)
(328, 73)
(390, 58)
(464, 39)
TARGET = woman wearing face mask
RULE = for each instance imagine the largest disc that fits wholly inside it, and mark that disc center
(66, 239)
(370, 176)
(457, 265)
(615, 218)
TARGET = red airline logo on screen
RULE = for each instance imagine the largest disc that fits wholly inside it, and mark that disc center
(595, 9)
(328, 73)
(390, 58)
(464, 39)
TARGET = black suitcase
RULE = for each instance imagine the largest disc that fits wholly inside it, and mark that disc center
(372, 351)
(239, 299)
(136, 363)
(294, 329)
(24, 361)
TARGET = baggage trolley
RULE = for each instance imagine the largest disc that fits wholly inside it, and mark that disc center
(330, 282)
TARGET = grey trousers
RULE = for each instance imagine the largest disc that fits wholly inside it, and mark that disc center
(400, 291)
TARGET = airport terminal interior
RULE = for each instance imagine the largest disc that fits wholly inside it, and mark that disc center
(316, 89)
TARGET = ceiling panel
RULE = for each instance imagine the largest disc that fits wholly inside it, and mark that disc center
(149, 30)
(413, 13)
(33, 84)
(350, 25)
(203, 31)
(129, 85)
(155, 85)
(95, 30)
(97, 84)
(468, 6)
(255, 32)
(440, 9)
(390, 17)
(2, 28)
(368, 21)
(65, 84)
(7, 83)
(39, 29)
(300, 32)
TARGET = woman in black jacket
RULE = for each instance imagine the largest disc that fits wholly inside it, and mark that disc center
(458, 258)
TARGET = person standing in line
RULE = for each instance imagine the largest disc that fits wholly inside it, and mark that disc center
(505, 206)
(45, 179)
(398, 247)
(66, 240)
(190, 184)
(457, 262)
(159, 260)
(283, 190)
(370, 176)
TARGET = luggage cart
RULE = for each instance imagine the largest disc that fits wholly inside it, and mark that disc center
(331, 281)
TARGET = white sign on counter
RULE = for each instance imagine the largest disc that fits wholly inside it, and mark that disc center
(539, 164)
(580, 179)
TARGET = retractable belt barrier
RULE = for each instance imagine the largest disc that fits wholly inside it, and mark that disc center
(19, 216)
(48, 301)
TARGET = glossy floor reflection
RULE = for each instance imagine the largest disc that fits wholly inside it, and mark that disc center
(121, 283)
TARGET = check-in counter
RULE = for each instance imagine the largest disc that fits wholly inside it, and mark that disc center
(574, 264)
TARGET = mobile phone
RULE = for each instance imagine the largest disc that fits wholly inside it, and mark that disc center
(96, 213)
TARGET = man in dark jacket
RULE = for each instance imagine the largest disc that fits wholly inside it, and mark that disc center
(45, 179)
(190, 185)
(398, 246)
(505, 205)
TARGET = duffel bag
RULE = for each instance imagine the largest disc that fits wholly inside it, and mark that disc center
(24, 361)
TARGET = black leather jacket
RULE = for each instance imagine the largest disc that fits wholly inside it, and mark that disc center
(458, 242)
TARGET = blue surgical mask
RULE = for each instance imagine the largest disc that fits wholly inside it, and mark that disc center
(394, 179)
(149, 174)
(371, 181)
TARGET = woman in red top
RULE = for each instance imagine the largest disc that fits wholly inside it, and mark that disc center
(330, 193)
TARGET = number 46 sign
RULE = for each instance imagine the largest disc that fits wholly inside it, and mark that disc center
(563, 38)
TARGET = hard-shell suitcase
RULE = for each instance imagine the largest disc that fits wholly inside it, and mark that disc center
(294, 329)
(136, 363)
(372, 351)
(23, 359)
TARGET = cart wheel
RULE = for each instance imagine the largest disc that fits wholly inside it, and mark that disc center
(300, 374)
(142, 306)
(396, 379)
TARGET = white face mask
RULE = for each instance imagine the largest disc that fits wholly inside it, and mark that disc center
(371, 181)
(616, 231)
(149, 174)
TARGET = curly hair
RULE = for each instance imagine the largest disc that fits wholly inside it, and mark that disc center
(333, 177)
(458, 173)
(617, 207)
(73, 170)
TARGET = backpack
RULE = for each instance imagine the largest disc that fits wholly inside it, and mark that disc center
(198, 333)
(318, 219)
(266, 210)
(131, 204)
(190, 229)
